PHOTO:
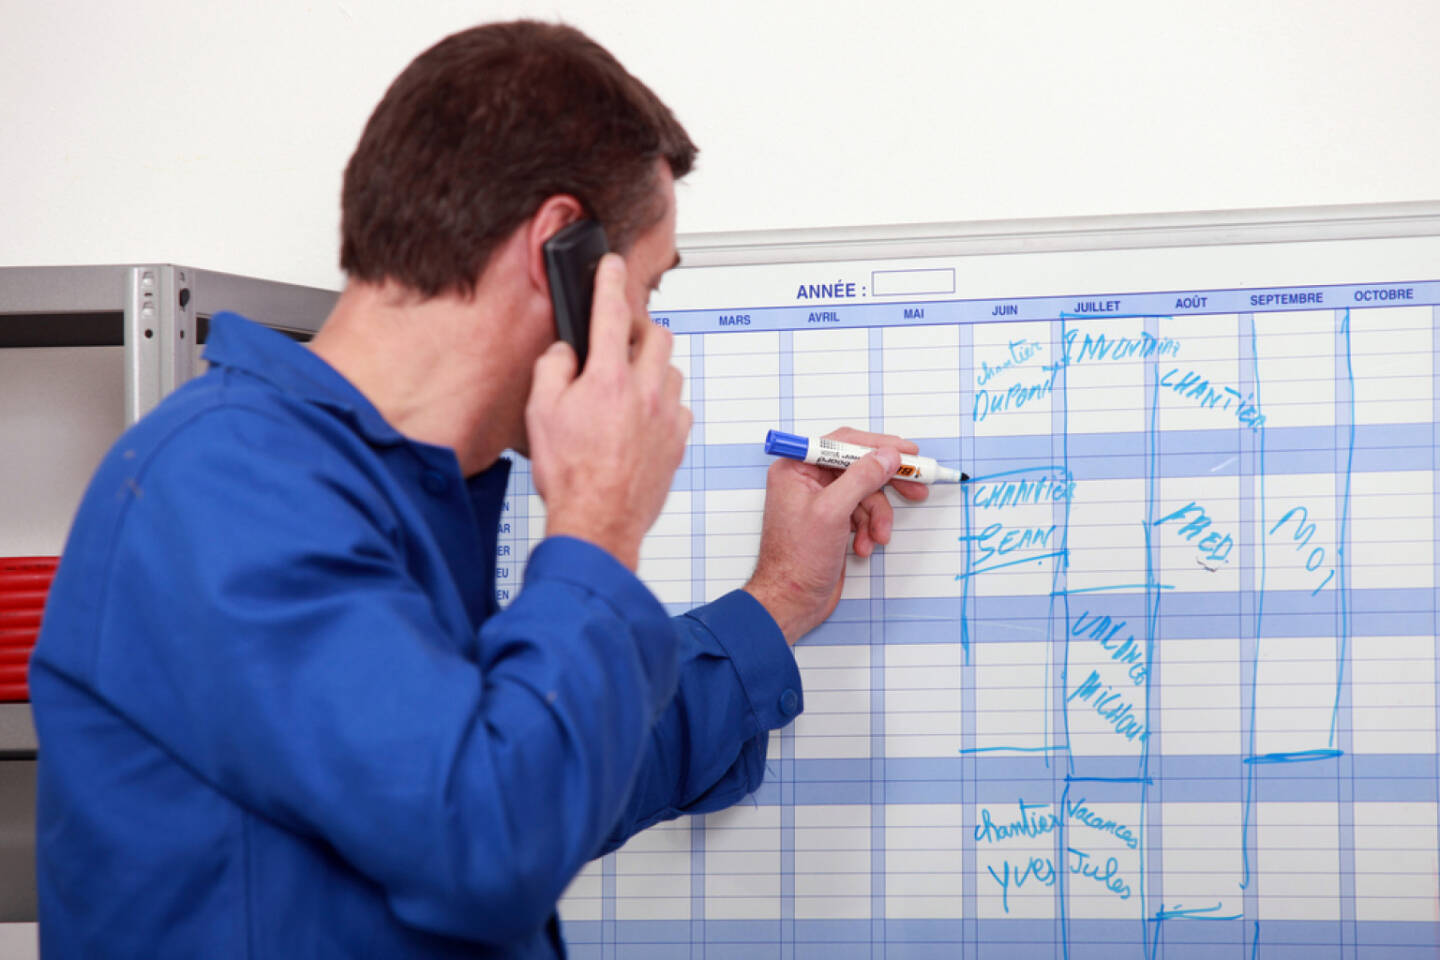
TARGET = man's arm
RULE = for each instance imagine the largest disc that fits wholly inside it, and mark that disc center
(738, 679)
(260, 625)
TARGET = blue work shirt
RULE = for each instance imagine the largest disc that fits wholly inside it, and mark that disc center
(281, 716)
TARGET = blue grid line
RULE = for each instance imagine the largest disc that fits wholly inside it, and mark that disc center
(1435, 556)
(1057, 637)
(1151, 798)
(875, 354)
(1250, 644)
(1248, 613)
(969, 911)
(607, 908)
(787, 735)
(1341, 736)
(697, 597)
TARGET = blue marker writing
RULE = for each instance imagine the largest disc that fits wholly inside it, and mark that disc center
(826, 452)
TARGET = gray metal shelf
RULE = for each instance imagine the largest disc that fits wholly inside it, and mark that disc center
(17, 732)
(150, 309)
(157, 312)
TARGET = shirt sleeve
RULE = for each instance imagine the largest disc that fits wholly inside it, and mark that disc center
(738, 681)
(259, 623)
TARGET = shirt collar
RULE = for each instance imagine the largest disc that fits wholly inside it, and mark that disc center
(240, 344)
(488, 486)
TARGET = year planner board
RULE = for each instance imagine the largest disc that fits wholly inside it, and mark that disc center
(1158, 681)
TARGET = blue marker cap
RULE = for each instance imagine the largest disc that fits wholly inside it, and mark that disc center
(778, 443)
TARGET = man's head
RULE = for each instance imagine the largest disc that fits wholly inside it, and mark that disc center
(479, 131)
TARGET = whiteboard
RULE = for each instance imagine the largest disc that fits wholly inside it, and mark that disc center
(1159, 681)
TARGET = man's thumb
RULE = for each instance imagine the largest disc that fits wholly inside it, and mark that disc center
(554, 370)
(862, 478)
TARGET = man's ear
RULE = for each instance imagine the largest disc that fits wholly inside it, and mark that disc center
(554, 215)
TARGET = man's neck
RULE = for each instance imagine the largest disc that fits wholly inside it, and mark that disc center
(432, 368)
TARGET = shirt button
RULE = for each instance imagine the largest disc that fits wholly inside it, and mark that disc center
(789, 703)
(434, 482)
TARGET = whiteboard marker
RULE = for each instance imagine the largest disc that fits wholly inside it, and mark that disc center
(825, 452)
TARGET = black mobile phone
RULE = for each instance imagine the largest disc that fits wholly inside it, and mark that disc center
(571, 257)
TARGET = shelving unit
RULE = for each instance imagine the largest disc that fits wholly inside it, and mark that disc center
(159, 314)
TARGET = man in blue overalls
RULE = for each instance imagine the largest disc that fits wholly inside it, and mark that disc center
(280, 714)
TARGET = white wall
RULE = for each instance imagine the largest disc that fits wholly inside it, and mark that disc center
(171, 130)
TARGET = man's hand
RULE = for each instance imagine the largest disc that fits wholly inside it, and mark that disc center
(810, 514)
(604, 446)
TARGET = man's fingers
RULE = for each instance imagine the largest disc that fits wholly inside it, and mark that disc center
(554, 370)
(911, 490)
(906, 488)
(674, 384)
(867, 439)
(860, 524)
(610, 316)
(652, 359)
(860, 479)
(685, 420)
(881, 514)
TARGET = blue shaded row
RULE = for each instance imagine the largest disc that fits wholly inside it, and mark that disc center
(1183, 616)
(990, 938)
(830, 315)
(1379, 448)
(1004, 779)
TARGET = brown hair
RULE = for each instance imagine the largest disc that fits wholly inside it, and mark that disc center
(479, 131)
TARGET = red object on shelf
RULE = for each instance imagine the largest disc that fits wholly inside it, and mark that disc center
(25, 579)
(24, 587)
(15, 619)
(27, 599)
(30, 564)
(21, 637)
